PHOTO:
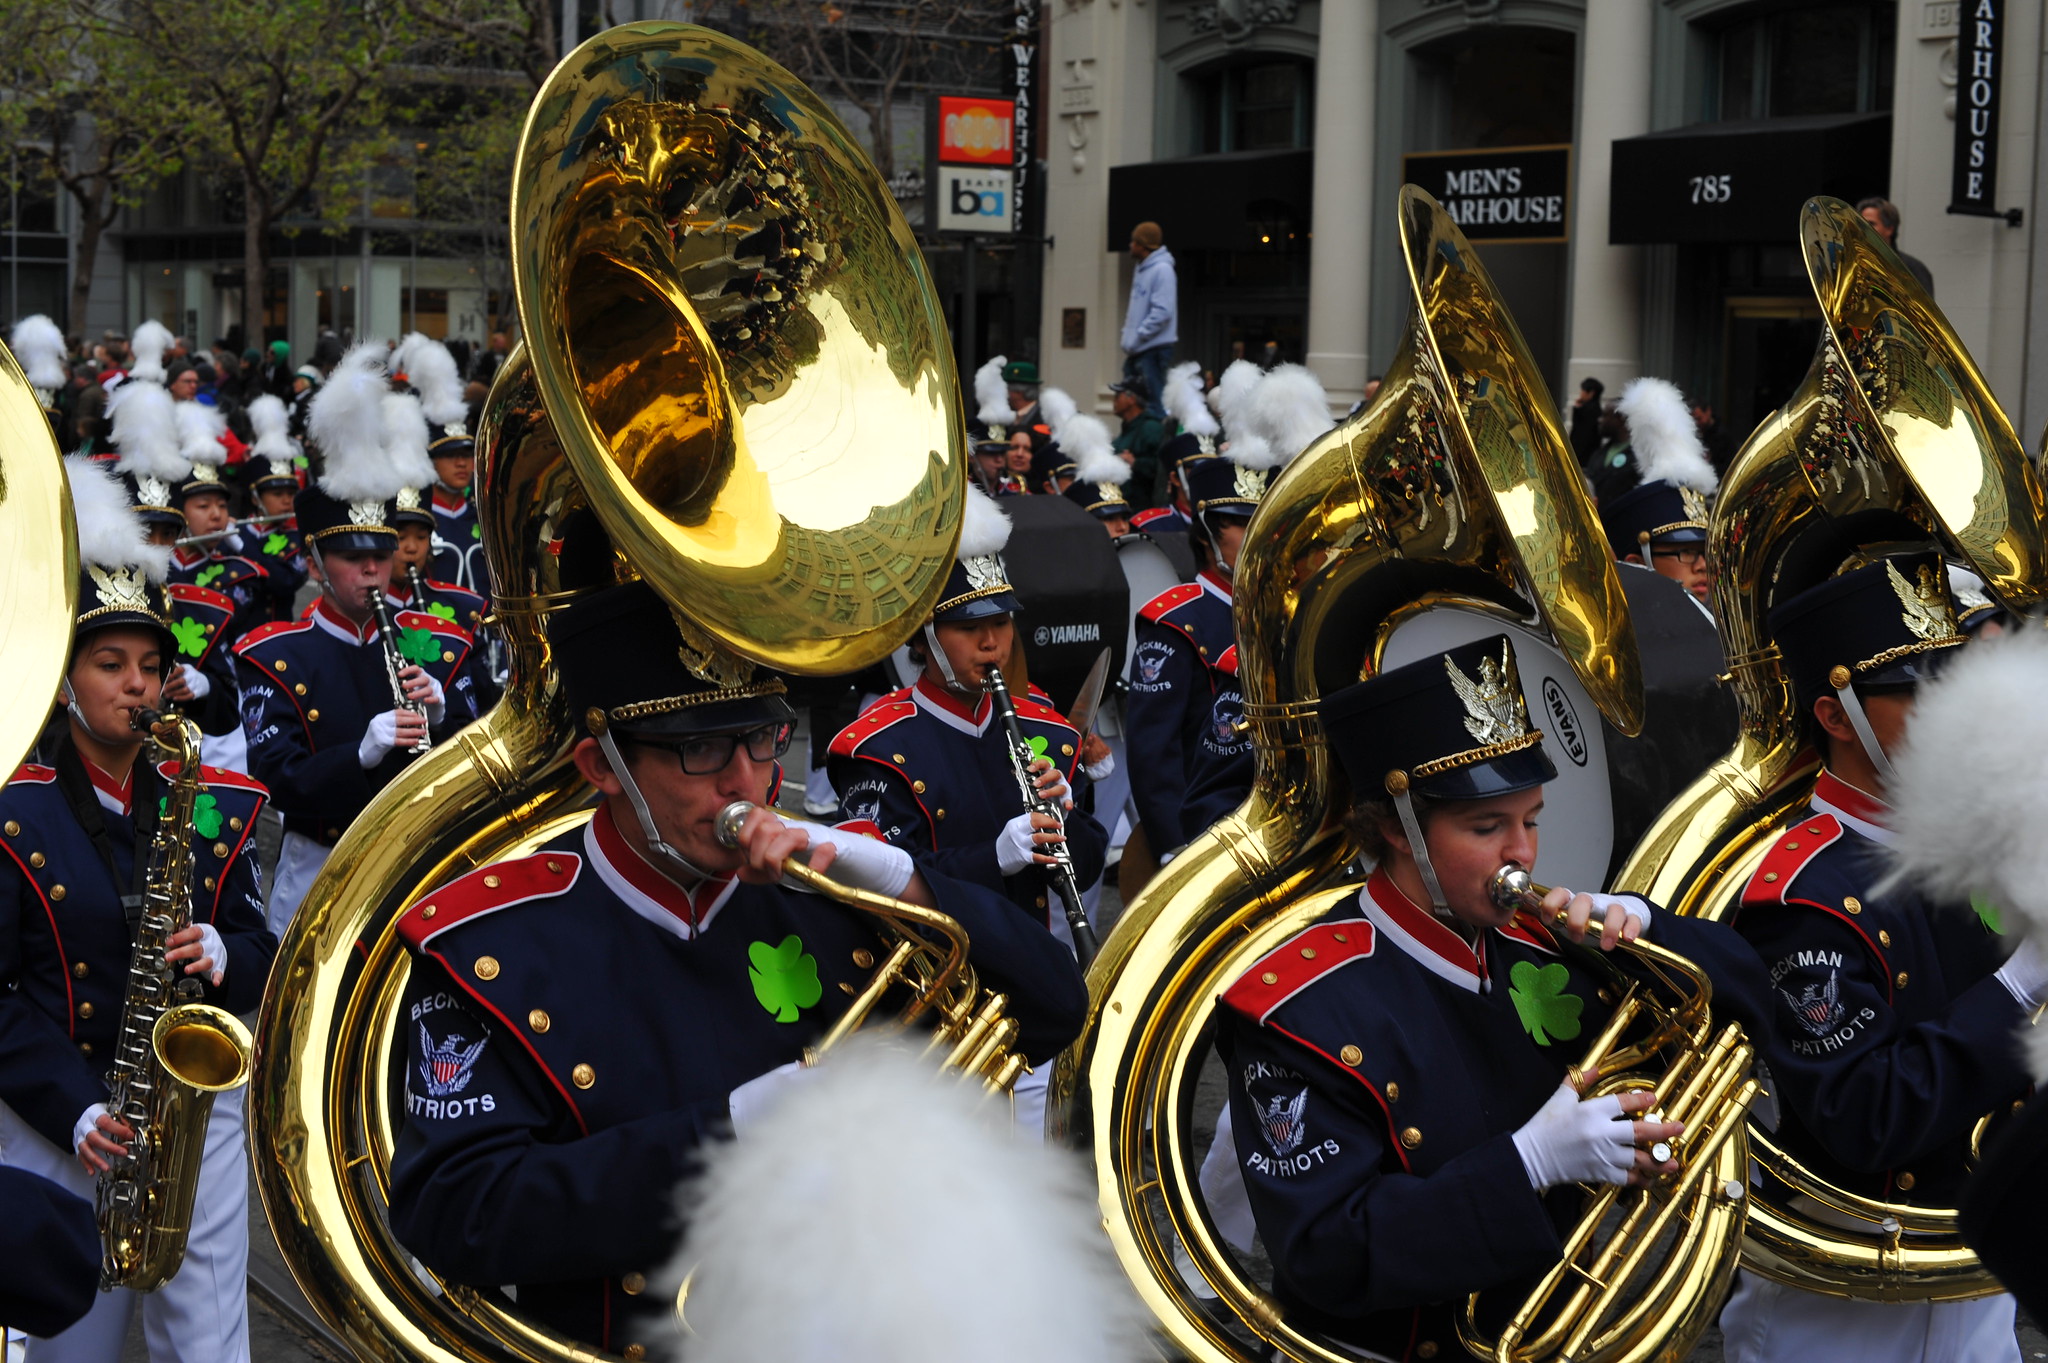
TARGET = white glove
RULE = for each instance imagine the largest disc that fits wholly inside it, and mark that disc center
(197, 682)
(437, 703)
(211, 945)
(753, 1100)
(1014, 848)
(1101, 770)
(1632, 906)
(1574, 1141)
(2025, 972)
(378, 740)
(87, 1123)
(863, 862)
(232, 541)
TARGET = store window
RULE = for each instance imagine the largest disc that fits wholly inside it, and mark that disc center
(1266, 107)
(1807, 59)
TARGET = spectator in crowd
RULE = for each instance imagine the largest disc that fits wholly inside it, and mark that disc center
(1883, 215)
(1152, 321)
(1719, 445)
(1586, 420)
(1138, 444)
(493, 356)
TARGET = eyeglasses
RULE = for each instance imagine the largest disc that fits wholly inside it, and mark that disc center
(707, 754)
(1690, 554)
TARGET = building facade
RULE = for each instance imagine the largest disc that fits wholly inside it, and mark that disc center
(1630, 170)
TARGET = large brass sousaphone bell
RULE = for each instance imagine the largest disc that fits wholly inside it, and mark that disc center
(737, 384)
(39, 539)
(1452, 496)
(1893, 439)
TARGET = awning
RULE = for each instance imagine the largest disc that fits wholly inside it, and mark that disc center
(1216, 203)
(1743, 180)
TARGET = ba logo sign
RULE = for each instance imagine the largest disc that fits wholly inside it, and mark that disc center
(974, 200)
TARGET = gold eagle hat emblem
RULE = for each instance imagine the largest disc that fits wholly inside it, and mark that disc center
(1494, 709)
(1927, 610)
(121, 589)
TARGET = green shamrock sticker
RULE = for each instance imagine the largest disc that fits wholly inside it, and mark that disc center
(476, 532)
(1987, 914)
(276, 543)
(1540, 1001)
(209, 573)
(191, 637)
(1038, 747)
(785, 977)
(418, 645)
(205, 814)
(446, 612)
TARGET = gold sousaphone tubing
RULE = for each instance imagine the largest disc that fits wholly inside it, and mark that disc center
(1592, 1298)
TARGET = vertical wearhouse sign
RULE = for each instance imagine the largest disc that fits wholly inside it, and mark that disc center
(1980, 73)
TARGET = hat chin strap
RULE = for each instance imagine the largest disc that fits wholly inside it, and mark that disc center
(1419, 849)
(1865, 735)
(1215, 547)
(655, 842)
(945, 664)
(78, 718)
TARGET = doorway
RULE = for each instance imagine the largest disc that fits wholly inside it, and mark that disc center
(1767, 347)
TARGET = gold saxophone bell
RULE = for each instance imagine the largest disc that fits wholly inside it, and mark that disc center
(1453, 491)
(737, 385)
(1892, 440)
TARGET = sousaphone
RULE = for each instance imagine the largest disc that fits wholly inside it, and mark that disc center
(736, 384)
(39, 539)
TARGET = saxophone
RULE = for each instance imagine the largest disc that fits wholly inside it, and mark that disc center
(173, 1055)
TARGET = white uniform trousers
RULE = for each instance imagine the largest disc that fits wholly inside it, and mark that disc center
(1767, 1322)
(202, 1314)
(299, 860)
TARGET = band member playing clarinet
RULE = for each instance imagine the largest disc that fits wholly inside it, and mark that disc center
(582, 1021)
(1397, 1071)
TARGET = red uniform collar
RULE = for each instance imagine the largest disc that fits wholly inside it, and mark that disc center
(178, 553)
(618, 861)
(933, 695)
(444, 500)
(1857, 808)
(339, 625)
(1419, 933)
(117, 796)
(1212, 581)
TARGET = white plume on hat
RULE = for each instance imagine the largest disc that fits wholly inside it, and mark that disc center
(347, 419)
(110, 534)
(39, 347)
(405, 440)
(148, 344)
(1086, 441)
(431, 370)
(1183, 400)
(145, 430)
(1663, 436)
(1286, 410)
(1969, 785)
(992, 395)
(272, 425)
(199, 431)
(1231, 387)
(794, 1212)
(984, 529)
(1057, 407)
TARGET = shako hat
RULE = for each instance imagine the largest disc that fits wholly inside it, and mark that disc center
(275, 461)
(1183, 401)
(1452, 726)
(432, 372)
(1270, 419)
(992, 415)
(1668, 505)
(1098, 474)
(121, 574)
(1885, 624)
(39, 348)
(200, 428)
(405, 445)
(621, 659)
(348, 506)
(145, 431)
(978, 585)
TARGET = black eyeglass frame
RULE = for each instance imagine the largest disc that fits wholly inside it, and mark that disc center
(779, 734)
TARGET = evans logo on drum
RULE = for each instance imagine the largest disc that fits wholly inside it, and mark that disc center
(1564, 721)
(1090, 633)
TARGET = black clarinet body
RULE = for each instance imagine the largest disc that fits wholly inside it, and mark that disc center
(1061, 872)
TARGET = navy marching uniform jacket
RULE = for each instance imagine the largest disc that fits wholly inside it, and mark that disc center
(458, 541)
(573, 1040)
(241, 580)
(1378, 1069)
(460, 606)
(1893, 1037)
(936, 781)
(280, 550)
(1222, 764)
(1182, 634)
(1162, 520)
(309, 691)
(202, 633)
(65, 942)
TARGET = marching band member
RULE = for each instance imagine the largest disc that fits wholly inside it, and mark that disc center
(275, 544)
(561, 1075)
(1195, 436)
(51, 1246)
(412, 520)
(458, 536)
(1661, 522)
(324, 730)
(1896, 1016)
(76, 837)
(1396, 1070)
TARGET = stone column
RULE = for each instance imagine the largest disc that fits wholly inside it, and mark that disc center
(1340, 248)
(1606, 335)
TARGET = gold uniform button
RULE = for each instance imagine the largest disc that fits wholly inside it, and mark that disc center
(633, 1284)
(555, 867)
(1308, 953)
(1269, 978)
(1341, 938)
(235, 824)
(427, 913)
(539, 1020)
(220, 849)
(85, 1010)
(1852, 904)
(863, 958)
(79, 970)
(313, 715)
(1393, 1092)
(583, 1076)
(447, 657)
(1791, 847)
(636, 1352)
(85, 1049)
(298, 688)
(1066, 750)
(1814, 829)
(209, 882)
(917, 786)
(13, 829)
(1351, 1055)
(1411, 1136)
(486, 967)
(490, 882)
(897, 758)
(1906, 1182)
(35, 858)
(280, 665)
(1884, 939)
(1900, 979)
(938, 813)
(1041, 901)
(56, 892)
(1770, 877)
(1426, 1349)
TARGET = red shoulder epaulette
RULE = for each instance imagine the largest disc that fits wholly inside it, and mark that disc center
(1169, 599)
(255, 569)
(498, 886)
(271, 631)
(202, 596)
(1033, 708)
(1783, 863)
(900, 693)
(1299, 962)
(1149, 515)
(218, 776)
(33, 774)
(1228, 662)
(428, 621)
(873, 720)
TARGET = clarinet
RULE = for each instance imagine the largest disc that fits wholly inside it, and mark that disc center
(418, 582)
(393, 664)
(1061, 872)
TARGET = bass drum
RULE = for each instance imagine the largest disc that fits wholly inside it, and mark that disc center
(1148, 570)
(1064, 569)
